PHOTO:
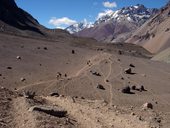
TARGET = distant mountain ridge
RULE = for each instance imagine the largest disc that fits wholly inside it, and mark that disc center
(79, 26)
(112, 24)
(137, 14)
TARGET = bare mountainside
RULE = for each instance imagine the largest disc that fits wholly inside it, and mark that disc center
(154, 35)
(16, 21)
(116, 26)
(163, 56)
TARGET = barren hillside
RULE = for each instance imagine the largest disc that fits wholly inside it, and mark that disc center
(154, 34)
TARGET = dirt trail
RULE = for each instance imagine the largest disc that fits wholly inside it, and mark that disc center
(23, 118)
(89, 116)
(94, 60)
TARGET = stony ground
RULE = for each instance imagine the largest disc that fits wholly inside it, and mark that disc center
(89, 84)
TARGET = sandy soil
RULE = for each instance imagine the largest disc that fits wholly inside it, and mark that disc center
(81, 72)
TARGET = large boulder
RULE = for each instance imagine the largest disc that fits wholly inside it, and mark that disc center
(126, 90)
(54, 111)
(128, 71)
(99, 86)
(147, 106)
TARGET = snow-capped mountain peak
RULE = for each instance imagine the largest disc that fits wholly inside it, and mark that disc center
(79, 26)
(138, 14)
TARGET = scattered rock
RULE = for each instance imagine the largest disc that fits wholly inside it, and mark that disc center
(128, 71)
(9, 67)
(141, 88)
(45, 48)
(133, 87)
(133, 114)
(22, 79)
(118, 59)
(59, 75)
(18, 57)
(0, 74)
(54, 111)
(126, 90)
(147, 106)
(89, 62)
(167, 30)
(120, 52)
(73, 52)
(107, 81)
(140, 118)
(96, 73)
(122, 78)
(82, 97)
(54, 94)
(131, 65)
(115, 107)
(99, 86)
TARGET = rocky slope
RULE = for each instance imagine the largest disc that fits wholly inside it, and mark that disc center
(15, 21)
(154, 35)
(13, 17)
(117, 26)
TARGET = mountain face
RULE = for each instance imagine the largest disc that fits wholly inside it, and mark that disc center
(154, 35)
(137, 14)
(79, 26)
(14, 20)
(117, 25)
(11, 15)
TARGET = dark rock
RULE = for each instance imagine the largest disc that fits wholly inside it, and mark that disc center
(142, 88)
(133, 87)
(73, 52)
(18, 57)
(82, 97)
(99, 86)
(131, 65)
(148, 105)
(9, 67)
(54, 94)
(120, 52)
(107, 81)
(45, 48)
(126, 90)
(167, 30)
(54, 111)
(96, 73)
(22, 79)
(128, 71)
(122, 78)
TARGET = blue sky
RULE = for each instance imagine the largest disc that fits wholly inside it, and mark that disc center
(71, 11)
